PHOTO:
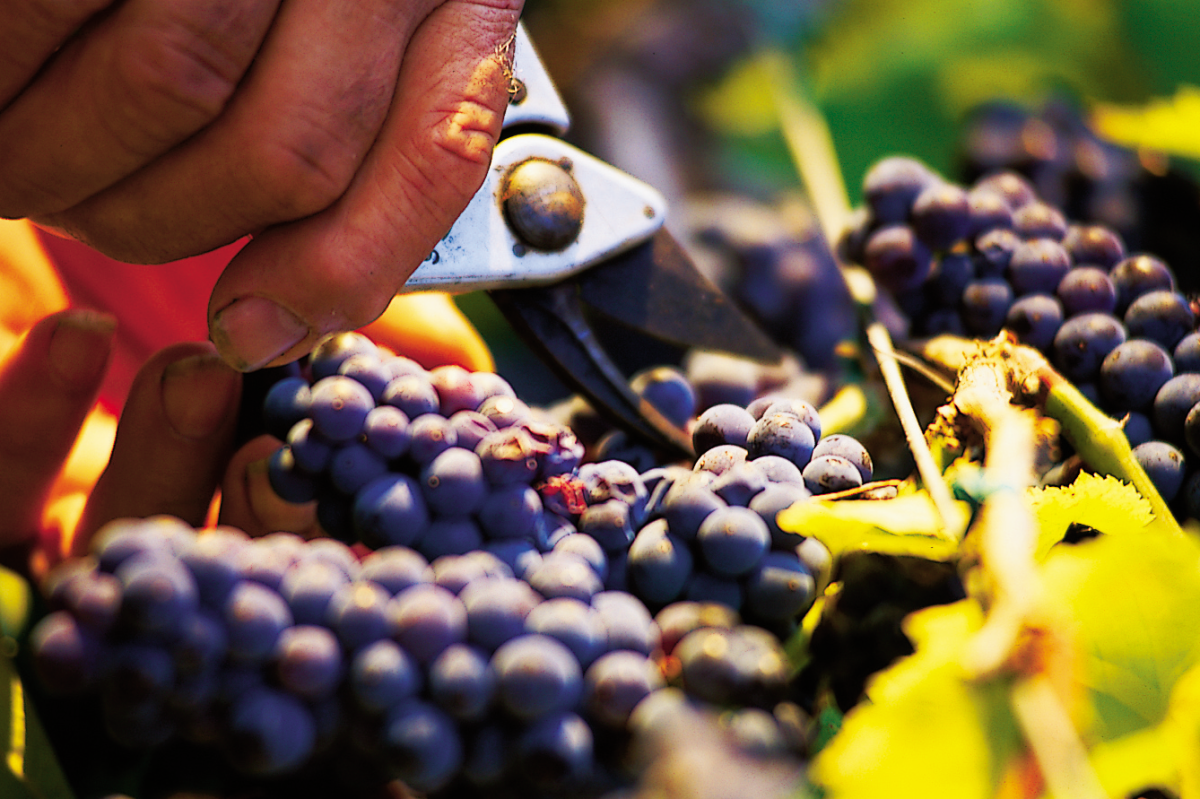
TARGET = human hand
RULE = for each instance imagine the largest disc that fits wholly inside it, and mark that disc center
(345, 138)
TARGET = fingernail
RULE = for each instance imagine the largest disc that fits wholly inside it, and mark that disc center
(253, 331)
(197, 394)
(79, 347)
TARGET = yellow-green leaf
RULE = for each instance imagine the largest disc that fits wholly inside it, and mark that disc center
(29, 769)
(906, 525)
(1105, 503)
(1170, 125)
(14, 603)
(1133, 601)
(926, 729)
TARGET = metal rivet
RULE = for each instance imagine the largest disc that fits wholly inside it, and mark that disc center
(542, 204)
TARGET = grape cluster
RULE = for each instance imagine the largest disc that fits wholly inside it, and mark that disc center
(276, 650)
(443, 461)
(975, 260)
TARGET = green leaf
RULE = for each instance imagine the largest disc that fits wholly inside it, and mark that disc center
(30, 769)
(15, 596)
(1105, 503)
(1132, 601)
(906, 525)
(924, 724)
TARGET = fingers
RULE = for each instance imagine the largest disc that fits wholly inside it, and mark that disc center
(47, 386)
(141, 80)
(249, 503)
(286, 147)
(429, 328)
(338, 269)
(173, 440)
(32, 31)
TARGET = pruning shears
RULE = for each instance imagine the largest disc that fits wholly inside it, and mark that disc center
(552, 228)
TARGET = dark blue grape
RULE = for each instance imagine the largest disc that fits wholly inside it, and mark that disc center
(386, 432)
(733, 540)
(286, 403)
(687, 505)
(333, 350)
(829, 474)
(1191, 429)
(158, 593)
(512, 510)
(1015, 188)
(1094, 244)
(563, 574)
(780, 588)
(504, 411)
(1133, 373)
(1087, 289)
(721, 459)
(1164, 465)
(65, 656)
(269, 732)
(395, 568)
(941, 215)
(456, 389)
(255, 617)
(462, 683)
(556, 752)
(614, 480)
(1172, 403)
(358, 613)
(471, 427)
(307, 588)
(334, 552)
(536, 676)
(94, 598)
(988, 211)
(339, 407)
(453, 483)
(429, 436)
(508, 456)
(572, 623)
(212, 563)
(369, 370)
(1037, 267)
(1138, 275)
(489, 755)
(668, 390)
(1082, 344)
(137, 673)
(1187, 354)
(626, 621)
(399, 365)
(455, 572)
(308, 661)
(353, 466)
(201, 646)
(587, 548)
(779, 470)
(119, 540)
(413, 394)
(554, 528)
(891, 186)
(951, 275)
(1161, 316)
(720, 379)
(421, 745)
(1035, 320)
(782, 434)
(994, 252)
(1039, 220)
(390, 510)
(556, 449)
(310, 450)
(659, 564)
(849, 448)
(721, 424)
(896, 258)
(614, 685)
(496, 610)
(771, 501)
(519, 555)
(740, 484)
(984, 305)
(383, 675)
(425, 619)
(709, 588)
(609, 523)
(450, 536)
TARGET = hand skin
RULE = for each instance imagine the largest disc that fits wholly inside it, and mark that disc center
(344, 138)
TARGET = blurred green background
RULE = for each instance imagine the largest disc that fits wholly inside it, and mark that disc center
(668, 90)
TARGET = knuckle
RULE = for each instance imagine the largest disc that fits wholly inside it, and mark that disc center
(307, 170)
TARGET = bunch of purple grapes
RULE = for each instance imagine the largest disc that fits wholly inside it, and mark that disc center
(975, 260)
(277, 650)
(442, 460)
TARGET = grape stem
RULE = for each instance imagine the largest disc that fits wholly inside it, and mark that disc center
(1005, 533)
